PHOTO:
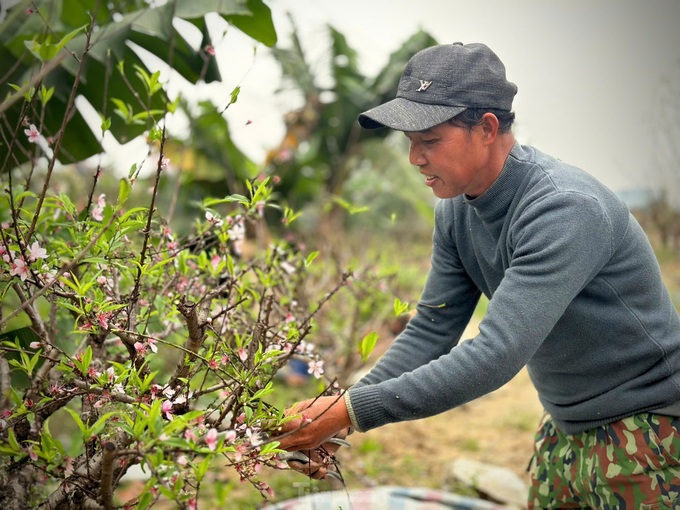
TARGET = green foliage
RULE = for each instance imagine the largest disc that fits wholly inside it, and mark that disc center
(45, 51)
(57, 35)
(166, 350)
(153, 348)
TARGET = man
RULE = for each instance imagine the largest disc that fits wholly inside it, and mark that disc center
(575, 294)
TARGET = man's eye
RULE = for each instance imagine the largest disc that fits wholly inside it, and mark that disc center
(430, 141)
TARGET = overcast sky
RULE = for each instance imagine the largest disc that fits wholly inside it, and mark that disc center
(590, 72)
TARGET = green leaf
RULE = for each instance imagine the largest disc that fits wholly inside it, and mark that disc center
(311, 257)
(29, 92)
(150, 81)
(145, 500)
(140, 425)
(46, 51)
(259, 25)
(76, 418)
(50, 445)
(146, 383)
(12, 440)
(123, 192)
(98, 426)
(264, 391)
(133, 170)
(367, 345)
(83, 364)
(269, 447)
(129, 213)
(234, 95)
(69, 306)
(33, 362)
(155, 133)
(230, 264)
(399, 306)
(95, 260)
(46, 94)
(202, 468)
(351, 208)
(67, 38)
(175, 442)
(123, 110)
(210, 202)
(5, 450)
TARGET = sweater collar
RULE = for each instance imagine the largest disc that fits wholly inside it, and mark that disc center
(496, 200)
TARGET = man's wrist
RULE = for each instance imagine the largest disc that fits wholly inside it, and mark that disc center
(350, 411)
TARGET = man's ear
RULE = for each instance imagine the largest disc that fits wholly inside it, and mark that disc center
(489, 124)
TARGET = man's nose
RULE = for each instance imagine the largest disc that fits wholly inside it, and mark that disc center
(415, 155)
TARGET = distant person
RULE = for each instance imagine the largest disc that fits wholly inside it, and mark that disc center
(575, 295)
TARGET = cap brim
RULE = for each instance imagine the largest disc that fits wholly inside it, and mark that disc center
(404, 115)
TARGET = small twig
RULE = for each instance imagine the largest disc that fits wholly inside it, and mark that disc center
(41, 331)
(117, 397)
(345, 276)
(5, 383)
(175, 195)
(105, 95)
(62, 131)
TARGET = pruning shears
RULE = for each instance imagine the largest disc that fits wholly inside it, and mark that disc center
(300, 457)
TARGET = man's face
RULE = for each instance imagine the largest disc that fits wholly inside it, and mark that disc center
(453, 159)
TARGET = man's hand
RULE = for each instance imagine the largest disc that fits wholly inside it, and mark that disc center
(316, 463)
(319, 420)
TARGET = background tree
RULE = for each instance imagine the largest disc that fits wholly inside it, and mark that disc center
(662, 211)
(313, 159)
(121, 343)
(44, 44)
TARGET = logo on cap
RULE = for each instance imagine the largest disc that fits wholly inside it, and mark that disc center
(423, 85)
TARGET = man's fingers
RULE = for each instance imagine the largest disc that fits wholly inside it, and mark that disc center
(311, 469)
(299, 439)
(293, 443)
(319, 419)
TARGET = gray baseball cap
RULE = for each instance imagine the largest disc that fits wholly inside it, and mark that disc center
(440, 82)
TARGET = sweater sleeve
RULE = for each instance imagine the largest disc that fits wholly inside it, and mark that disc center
(559, 244)
(445, 307)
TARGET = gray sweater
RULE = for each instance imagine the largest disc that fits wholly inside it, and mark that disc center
(575, 294)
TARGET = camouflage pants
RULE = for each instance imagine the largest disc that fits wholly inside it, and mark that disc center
(632, 463)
